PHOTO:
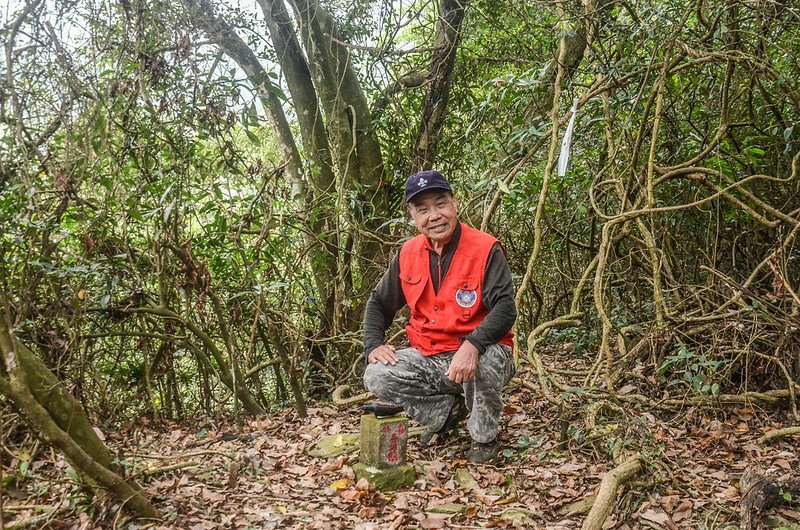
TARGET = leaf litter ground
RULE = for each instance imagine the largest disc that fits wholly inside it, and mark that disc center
(207, 475)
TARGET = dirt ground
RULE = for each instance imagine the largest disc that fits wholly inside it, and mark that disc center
(206, 475)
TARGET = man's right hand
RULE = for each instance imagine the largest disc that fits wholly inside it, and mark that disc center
(383, 354)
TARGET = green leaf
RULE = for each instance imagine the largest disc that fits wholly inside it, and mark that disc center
(253, 138)
(275, 89)
(71, 473)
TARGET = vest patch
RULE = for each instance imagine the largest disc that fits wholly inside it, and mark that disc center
(466, 298)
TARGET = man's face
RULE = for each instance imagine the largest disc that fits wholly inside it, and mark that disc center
(435, 213)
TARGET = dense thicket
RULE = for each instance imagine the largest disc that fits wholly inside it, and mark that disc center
(196, 200)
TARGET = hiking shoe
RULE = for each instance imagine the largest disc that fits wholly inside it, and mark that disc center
(457, 413)
(481, 453)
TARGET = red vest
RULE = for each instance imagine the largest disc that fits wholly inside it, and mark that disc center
(439, 321)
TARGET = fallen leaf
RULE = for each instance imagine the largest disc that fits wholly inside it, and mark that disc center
(334, 465)
(680, 515)
(430, 522)
(668, 502)
(340, 484)
(397, 522)
(364, 485)
(353, 495)
(783, 464)
(296, 470)
(99, 434)
(656, 516)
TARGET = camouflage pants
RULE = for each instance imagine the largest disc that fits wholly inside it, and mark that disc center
(418, 384)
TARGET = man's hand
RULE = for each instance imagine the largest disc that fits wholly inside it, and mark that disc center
(383, 354)
(464, 363)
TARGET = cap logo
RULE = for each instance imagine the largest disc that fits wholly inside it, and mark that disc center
(422, 182)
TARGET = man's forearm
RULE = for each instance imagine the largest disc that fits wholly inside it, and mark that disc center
(494, 327)
(375, 325)
(383, 303)
(498, 297)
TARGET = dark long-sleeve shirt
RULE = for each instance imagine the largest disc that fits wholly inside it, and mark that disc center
(497, 295)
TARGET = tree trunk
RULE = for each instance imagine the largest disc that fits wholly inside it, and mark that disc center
(448, 34)
(51, 411)
(355, 147)
(321, 234)
(220, 31)
(64, 410)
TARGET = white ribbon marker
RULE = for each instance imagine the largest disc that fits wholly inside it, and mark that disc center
(563, 158)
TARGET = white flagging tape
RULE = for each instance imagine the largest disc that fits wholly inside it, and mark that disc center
(563, 157)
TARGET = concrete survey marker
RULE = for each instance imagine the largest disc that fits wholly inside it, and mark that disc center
(382, 459)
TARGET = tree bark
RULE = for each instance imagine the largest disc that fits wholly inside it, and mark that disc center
(349, 121)
(16, 390)
(762, 491)
(286, 362)
(322, 235)
(51, 411)
(448, 35)
(356, 151)
(322, 226)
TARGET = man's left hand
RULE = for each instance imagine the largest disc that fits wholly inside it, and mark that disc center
(465, 362)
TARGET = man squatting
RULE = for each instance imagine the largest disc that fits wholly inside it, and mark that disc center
(457, 284)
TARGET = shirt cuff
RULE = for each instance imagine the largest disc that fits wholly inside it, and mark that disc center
(480, 346)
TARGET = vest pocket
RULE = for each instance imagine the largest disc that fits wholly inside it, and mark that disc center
(412, 286)
(466, 297)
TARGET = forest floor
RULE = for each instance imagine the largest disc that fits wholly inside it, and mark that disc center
(205, 474)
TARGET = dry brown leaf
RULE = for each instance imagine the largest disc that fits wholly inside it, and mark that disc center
(296, 470)
(668, 502)
(364, 485)
(334, 465)
(367, 512)
(486, 499)
(397, 521)
(352, 495)
(782, 463)
(680, 515)
(432, 522)
(730, 494)
(657, 516)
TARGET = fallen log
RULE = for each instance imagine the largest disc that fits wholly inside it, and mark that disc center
(760, 492)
